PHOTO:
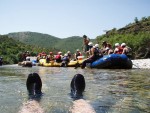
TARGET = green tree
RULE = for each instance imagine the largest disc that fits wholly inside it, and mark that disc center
(136, 20)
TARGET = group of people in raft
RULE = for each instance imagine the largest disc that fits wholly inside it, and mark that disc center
(93, 52)
(59, 57)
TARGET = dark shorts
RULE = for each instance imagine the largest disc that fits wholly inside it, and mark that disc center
(87, 47)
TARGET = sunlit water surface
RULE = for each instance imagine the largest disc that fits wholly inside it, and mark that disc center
(107, 91)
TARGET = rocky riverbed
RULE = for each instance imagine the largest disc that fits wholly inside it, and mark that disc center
(141, 63)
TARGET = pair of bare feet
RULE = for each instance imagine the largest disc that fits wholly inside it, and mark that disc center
(34, 85)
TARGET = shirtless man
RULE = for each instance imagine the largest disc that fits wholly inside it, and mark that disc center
(86, 41)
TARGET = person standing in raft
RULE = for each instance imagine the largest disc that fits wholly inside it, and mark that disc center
(86, 41)
(95, 54)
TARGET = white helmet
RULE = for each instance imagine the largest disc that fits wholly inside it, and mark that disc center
(96, 45)
(116, 44)
(68, 52)
(60, 52)
(90, 44)
(65, 55)
(77, 50)
(123, 44)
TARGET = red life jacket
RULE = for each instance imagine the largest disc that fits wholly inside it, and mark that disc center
(120, 50)
(58, 57)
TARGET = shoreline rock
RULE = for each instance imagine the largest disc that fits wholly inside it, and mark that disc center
(141, 63)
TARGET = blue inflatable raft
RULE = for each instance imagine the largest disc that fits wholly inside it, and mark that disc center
(113, 61)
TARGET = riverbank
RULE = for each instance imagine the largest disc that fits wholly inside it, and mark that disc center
(141, 63)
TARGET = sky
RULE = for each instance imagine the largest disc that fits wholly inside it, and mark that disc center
(66, 18)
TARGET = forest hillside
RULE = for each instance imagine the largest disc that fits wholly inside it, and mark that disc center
(136, 35)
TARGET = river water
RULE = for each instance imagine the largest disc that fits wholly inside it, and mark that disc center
(107, 91)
